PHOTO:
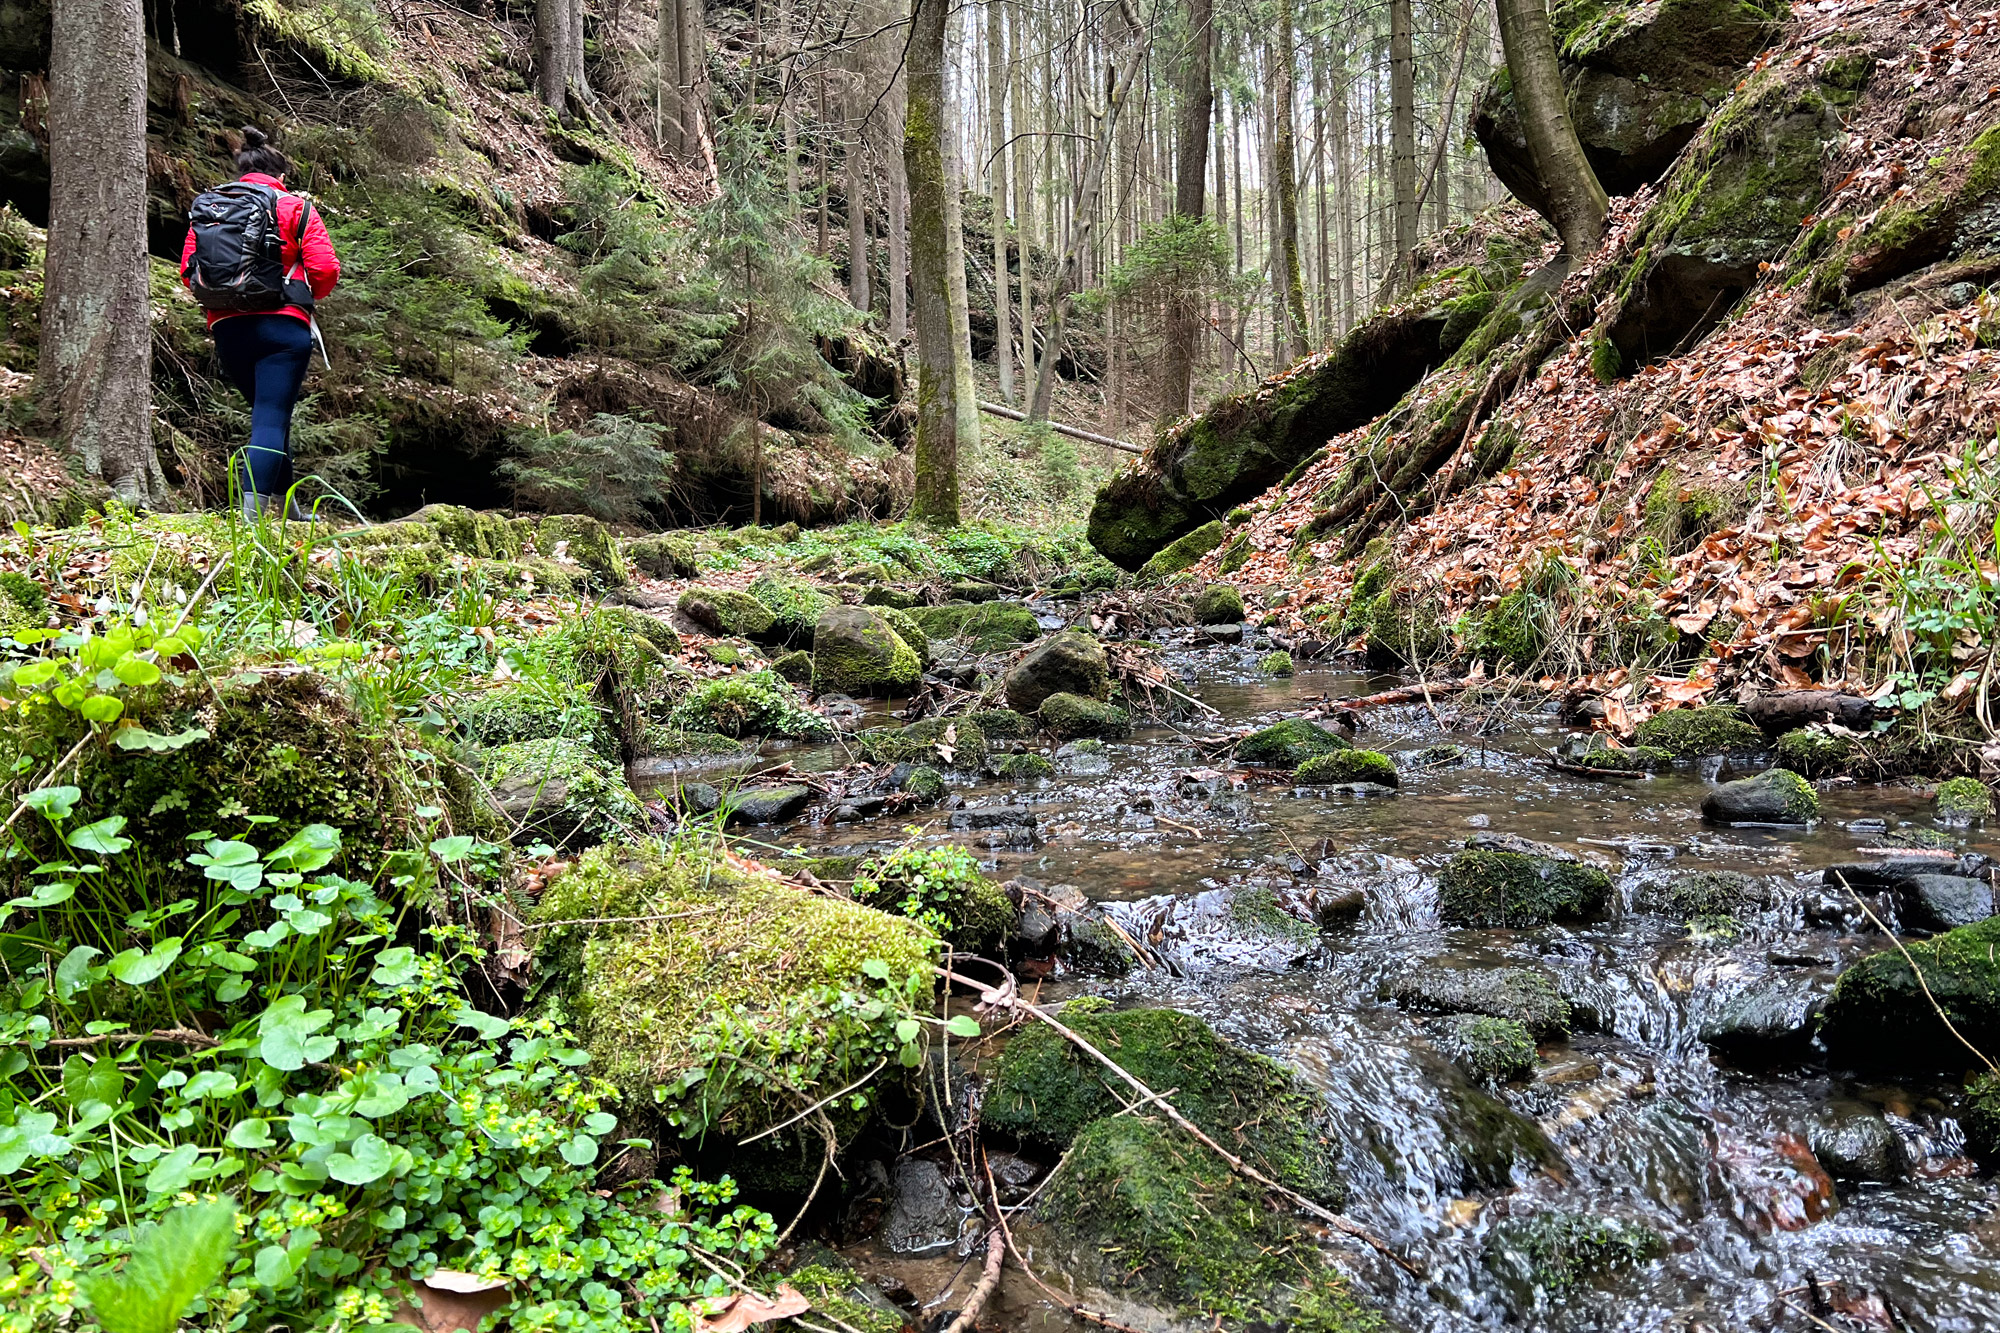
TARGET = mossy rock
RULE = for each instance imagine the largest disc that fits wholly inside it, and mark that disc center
(1183, 553)
(1141, 1209)
(583, 540)
(795, 667)
(795, 606)
(902, 599)
(1514, 632)
(1288, 744)
(550, 547)
(1980, 1119)
(1628, 759)
(1682, 514)
(972, 912)
(1775, 796)
(1275, 664)
(1552, 1254)
(1811, 752)
(1349, 766)
(1701, 893)
(1024, 767)
(668, 743)
(291, 747)
(1879, 1017)
(559, 791)
(842, 1294)
(1071, 662)
(1961, 802)
(1003, 724)
(1492, 1050)
(1518, 994)
(1404, 629)
(727, 611)
(533, 711)
(647, 997)
(987, 627)
(1499, 890)
(1688, 733)
(1068, 717)
(925, 742)
(1047, 1092)
(972, 590)
(757, 703)
(1218, 604)
(924, 783)
(670, 555)
(908, 630)
(856, 652)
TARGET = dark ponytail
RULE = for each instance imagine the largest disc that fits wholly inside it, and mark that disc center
(256, 154)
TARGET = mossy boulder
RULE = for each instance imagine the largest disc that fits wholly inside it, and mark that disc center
(1275, 664)
(649, 997)
(1003, 724)
(902, 599)
(1024, 767)
(670, 555)
(941, 885)
(1492, 1050)
(795, 667)
(1071, 662)
(1552, 1254)
(668, 743)
(1217, 604)
(1045, 1091)
(756, 703)
(1775, 796)
(1701, 893)
(1070, 716)
(561, 552)
(1349, 766)
(559, 791)
(1627, 759)
(796, 606)
(925, 784)
(1288, 744)
(1182, 553)
(727, 611)
(988, 627)
(1498, 890)
(953, 742)
(1688, 733)
(856, 652)
(1961, 802)
(909, 631)
(533, 711)
(1811, 752)
(1879, 1016)
(1518, 994)
(1405, 628)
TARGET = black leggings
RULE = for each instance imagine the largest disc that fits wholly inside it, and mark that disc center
(266, 356)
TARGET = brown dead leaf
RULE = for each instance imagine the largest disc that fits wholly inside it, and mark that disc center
(733, 1314)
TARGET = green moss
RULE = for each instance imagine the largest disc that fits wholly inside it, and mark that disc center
(727, 611)
(1489, 1049)
(908, 631)
(1688, 733)
(1463, 316)
(1682, 515)
(1218, 604)
(534, 710)
(757, 704)
(856, 652)
(22, 601)
(1275, 664)
(925, 783)
(725, 654)
(1070, 716)
(1024, 767)
(795, 666)
(1606, 362)
(670, 555)
(1700, 893)
(1811, 752)
(1234, 556)
(733, 963)
(1046, 1092)
(582, 539)
(1349, 766)
(1980, 1119)
(832, 1292)
(1554, 1253)
(1514, 631)
(989, 627)
(1257, 907)
(941, 886)
(794, 604)
(925, 742)
(1630, 758)
(1513, 889)
(1518, 994)
(665, 742)
(1879, 1017)
(1002, 724)
(900, 598)
(1183, 553)
(560, 790)
(1404, 628)
(1288, 744)
(1962, 801)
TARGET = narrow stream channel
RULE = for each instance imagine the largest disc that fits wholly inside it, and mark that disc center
(1677, 1101)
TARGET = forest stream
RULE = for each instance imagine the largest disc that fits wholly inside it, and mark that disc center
(1685, 1098)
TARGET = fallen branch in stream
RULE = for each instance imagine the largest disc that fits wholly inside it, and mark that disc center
(1419, 693)
(1007, 996)
(996, 1252)
(1585, 771)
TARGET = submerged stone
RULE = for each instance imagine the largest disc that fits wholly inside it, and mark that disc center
(766, 805)
(1552, 1254)
(1515, 993)
(1700, 893)
(1854, 1142)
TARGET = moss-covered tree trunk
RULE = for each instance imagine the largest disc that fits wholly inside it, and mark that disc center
(1185, 307)
(1577, 201)
(1285, 172)
(97, 342)
(932, 239)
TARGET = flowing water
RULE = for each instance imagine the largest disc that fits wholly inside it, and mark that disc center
(1648, 1123)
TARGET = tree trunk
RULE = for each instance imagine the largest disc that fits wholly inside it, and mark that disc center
(1024, 211)
(552, 53)
(898, 211)
(1284, 162)
(857, 223)
(1343, 191)
(1402, 141)
(1576, 198)
(96, 365)
(997, 83)
(667, 94)
(1190, 183)
(578, 83)
(933, 240)
(825, 238)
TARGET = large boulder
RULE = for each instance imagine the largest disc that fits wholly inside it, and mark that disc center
(560, 791)
(1775, 796)
(1881, 1017)
(1642, 77)
(1288, 744)
(1071, 662)
(856, 652)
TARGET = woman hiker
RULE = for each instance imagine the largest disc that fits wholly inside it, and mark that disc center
(257, 258)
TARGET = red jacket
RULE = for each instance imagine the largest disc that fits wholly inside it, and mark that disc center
(315, 257)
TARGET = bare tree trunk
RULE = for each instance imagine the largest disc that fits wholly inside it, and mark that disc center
(996, 113)
(1024, 210)
(857, 221)
(1190, 181)
(1284, 162)
(1402, 141)
(667, 94)
(579, 83)
(1343, 188)
(898, 211)
(926, 134)
(95, 374)
(1575, 195)
(552, 18)
(787, 113)
(819, 155)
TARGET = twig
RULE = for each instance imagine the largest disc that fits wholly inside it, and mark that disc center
(51, 776)
(620, 920)
(1801, 1311)
(1000, 1221)
(180, 1036)
(996, 1252)
(825, 1101)
(1585, 771)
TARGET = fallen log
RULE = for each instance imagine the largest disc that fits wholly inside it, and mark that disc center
(1585, 771)
(1074, 432)
(1787, 710)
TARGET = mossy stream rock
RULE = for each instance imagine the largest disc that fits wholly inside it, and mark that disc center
(1775, 796)
(560, 791)
(1071, 662)
(950, 742)
(731, 941)
(1500, 890)
(1489, 1049)
(1642, 78)
(1688, 733)
(1879, 1018)
(1217, 604)
(856, 652)
(533, 711)
(1551, 1254)
(1070, 716)
(727, 611)
(1349, 766)
(1288, 744)
(564, 552)
(755, 703)
(988, 627)
(1961, 802)
(1002, 724)
(1517, 994)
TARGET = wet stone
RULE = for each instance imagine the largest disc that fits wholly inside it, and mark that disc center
(1441, 986)
(1943, 902)
(767, 805)
(1855, 1142)
(924, 1214)
(1770, 1022)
